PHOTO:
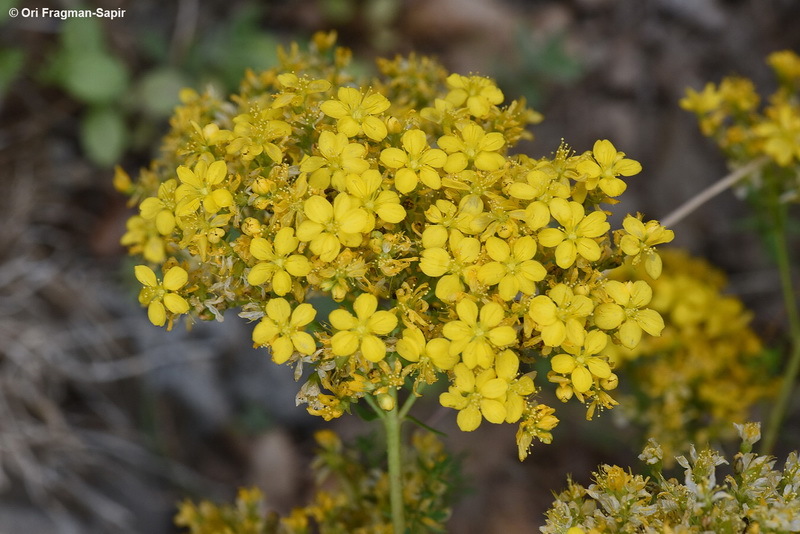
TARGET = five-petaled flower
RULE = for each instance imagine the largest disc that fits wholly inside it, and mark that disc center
(640, 240)
(415, 162)
(606, 165)
(277, 264)
(282, 329)
(197, 186)
(577, 233)
(581, 364)
(627, 311)
(560, 315)
(331, 225)
(360, 332)
(513, 268)
(355, 112)
(474, 146)
(338, 157)
(476, 397)
(476, 335)
(162, 296)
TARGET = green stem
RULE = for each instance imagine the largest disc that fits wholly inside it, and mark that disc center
(392, 423)
(793, 367)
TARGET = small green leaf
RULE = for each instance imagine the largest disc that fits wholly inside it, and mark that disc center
(158, 91)
(103, 136)
(93, 76)
(82, 35)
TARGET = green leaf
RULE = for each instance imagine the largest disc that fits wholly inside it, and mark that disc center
(158, 91)
(104, 136)
(93, 76)
(82, 35)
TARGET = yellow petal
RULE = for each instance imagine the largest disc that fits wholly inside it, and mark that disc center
(282, 349)
(650, 321)
(175, 278)
(491, 273)
(469, 419)
(562, 363)
(502, 336)
(491, 314)
(216, 172)
(566, 252)
(365, 305)
(145, 275)
(264, 332)
(394, 158)
(608, 316)
(281, 282)
(156, 313)
(342, 320)
(318, 209)
(581, 379)
(374, 128)
(176, 303)
(382, 322)
(494, 411)
(434, 262)
(344, 343)
(599, 367)
(467, 311)
(279, 310)
(373, 348)
(303, 314)
(630, 334)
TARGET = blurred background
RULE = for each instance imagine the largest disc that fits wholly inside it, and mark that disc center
(106, 422)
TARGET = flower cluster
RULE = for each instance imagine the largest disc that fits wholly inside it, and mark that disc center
(351, 495)
(730, 113)
(754, 498)
(395, 201)
(706, 369)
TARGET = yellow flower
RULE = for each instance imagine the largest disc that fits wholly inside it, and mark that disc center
(162, 296)
(197, 186)
(338, 158)
(282, 330)
(475, 397)
(477, 92)
(513, 268)
(331, 225)
(355, 112)
(296, 89)
(577, 232)
(560, 315)
(640, 240)
(606, 165)
(781, 133)
(360, 332)
(255, 132)
(367, 189)
(786, 65)
(627, 312)
(142, 237)
(581, 364)
(277, 261)
(506, 367)
(415, 162)
(476, 335)
(474, 146)
(437, 262)
(412, 347)
(161, 208)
